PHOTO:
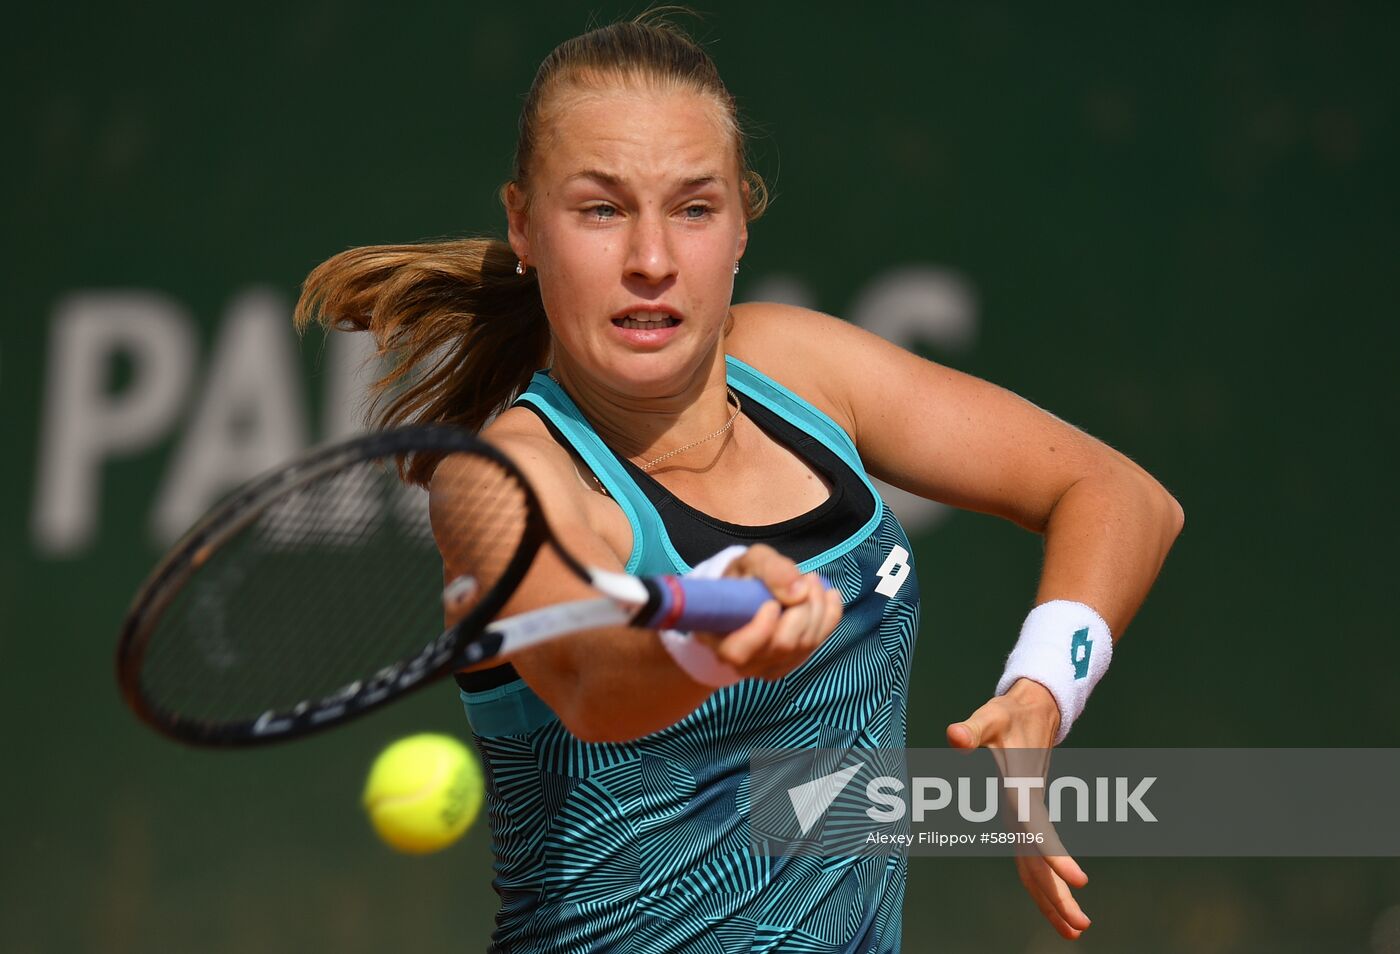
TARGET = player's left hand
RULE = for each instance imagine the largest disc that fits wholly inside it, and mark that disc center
(1026, 717)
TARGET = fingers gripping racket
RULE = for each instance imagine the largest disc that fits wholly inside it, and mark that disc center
(314, 593)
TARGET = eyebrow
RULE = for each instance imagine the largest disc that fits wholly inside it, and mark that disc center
(607, 178)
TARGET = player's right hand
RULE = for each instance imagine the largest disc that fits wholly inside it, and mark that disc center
(788, 628)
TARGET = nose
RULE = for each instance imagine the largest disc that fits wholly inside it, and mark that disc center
(649, 254)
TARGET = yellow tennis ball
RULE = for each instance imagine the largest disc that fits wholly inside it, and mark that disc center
(423, 792)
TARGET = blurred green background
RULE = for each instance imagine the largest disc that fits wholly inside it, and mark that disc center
(1175, 226)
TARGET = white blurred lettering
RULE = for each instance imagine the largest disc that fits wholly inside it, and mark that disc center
(83, 424)
(251, 417)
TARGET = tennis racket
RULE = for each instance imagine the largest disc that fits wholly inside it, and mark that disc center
(314, 594)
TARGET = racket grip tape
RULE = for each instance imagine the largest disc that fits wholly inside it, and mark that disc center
(710, 606)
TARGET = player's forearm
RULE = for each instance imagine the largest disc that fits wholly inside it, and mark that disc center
(612, 685)
(1106, 540)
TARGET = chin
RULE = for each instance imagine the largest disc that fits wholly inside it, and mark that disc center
(658, 374)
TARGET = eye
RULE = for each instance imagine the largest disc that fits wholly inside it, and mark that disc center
(696, 212)
(601, 212)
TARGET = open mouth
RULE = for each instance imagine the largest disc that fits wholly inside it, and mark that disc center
(646, 321)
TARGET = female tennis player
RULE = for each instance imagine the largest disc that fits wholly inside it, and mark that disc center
(668, 430)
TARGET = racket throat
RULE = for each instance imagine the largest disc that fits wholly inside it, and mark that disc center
(647, 598)
(627, 601)
(622, 587)
(548, 622)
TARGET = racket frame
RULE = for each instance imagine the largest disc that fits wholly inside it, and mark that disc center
(439, 657)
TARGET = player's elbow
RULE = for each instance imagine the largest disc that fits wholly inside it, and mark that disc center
(607, 712)
(594, 724)
(585, 722)
(583, 711)
(600, 732)
(552, 672)
(1164, 511)
(1145, 506)
(1176, 515)
(603, 696)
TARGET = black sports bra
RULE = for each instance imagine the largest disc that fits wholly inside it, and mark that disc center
(696, 535)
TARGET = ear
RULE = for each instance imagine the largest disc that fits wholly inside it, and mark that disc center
(743, 221)
(517, 220)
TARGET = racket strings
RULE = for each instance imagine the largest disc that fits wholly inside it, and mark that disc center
(325, 586)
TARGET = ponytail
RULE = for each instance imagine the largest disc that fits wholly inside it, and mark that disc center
(463, 331)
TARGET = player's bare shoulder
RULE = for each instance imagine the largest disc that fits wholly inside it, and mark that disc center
(549, 468)
(568, 491)
(812, 354)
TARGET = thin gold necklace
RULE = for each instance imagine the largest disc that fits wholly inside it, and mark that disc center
(733, 398)
(730, 398)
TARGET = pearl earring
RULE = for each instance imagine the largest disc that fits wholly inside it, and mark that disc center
(519, 267)
(736, 268)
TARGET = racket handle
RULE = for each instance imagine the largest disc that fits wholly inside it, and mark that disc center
(710, 606)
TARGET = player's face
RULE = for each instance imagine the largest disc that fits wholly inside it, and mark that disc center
(634, 222)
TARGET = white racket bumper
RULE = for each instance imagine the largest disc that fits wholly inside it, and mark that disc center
(620, 586)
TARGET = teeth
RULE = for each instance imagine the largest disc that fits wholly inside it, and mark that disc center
(646, 321)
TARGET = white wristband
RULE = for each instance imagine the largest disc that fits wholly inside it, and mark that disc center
(697, 660)
(1066, 647)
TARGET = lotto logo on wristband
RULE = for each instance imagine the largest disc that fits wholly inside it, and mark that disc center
(1079, 649)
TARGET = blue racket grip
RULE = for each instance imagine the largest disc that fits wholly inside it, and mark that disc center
(710, 606)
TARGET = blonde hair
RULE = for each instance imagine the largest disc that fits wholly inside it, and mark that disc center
(464, 331)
